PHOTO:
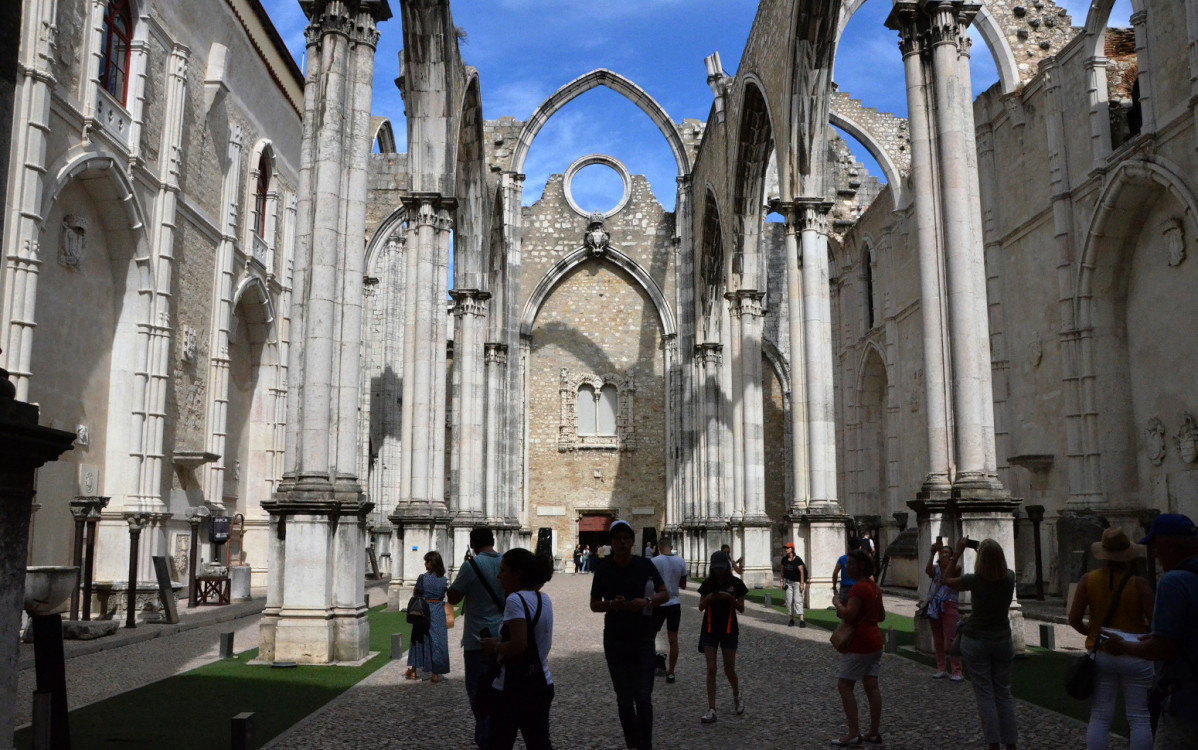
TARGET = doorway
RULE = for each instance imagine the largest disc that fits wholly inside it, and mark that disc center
(593, 530)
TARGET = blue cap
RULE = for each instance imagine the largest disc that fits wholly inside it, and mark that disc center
(1170, 524)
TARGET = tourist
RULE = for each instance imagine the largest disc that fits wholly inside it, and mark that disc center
(864, 608)
(721, 596)
(585, 558)
(478, 584)
(1173, 540)
(521, 698)
(672, 570)
(842, 584)
(794, 583)
(1118, 600)
(431, 653)
(577, 558)
(943, 610)
(738, 566)
(986, 646)
(649, 549)
(620, 591)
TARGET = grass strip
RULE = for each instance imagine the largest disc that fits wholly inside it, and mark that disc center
(1038, 679)
(193, 710)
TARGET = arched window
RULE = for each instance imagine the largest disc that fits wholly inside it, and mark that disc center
(261, 190)
(114, 48)
(608, 407)
(867, 275)
(586, 409)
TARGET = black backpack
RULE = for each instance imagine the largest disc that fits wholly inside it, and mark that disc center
(523, 674)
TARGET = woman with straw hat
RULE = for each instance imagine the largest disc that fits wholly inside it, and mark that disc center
(1117, 600)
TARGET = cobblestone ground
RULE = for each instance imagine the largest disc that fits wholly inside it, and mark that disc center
(787, 677)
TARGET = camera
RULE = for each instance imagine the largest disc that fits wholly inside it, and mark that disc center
(972, 543)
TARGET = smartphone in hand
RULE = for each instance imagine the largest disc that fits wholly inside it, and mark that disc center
(972, 543)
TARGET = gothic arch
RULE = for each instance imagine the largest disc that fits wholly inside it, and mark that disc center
(894, 177)
(253, 284)
(712, 279)
(470, 189)
(583, 84)
(1100, 15)
(559, 270)
(755, 142)
(987, 25)
(389, 226)
(89, 165)
(382, 134)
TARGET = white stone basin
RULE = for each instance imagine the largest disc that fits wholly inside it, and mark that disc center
(48, 587)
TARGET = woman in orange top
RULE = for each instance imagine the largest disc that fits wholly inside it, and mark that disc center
(1133, 615)
(864, 657)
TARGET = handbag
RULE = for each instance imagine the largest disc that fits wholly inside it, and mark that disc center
(842, 637)
(449, 615)
(417, 606)
(1079, 678)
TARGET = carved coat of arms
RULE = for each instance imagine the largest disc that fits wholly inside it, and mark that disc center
(74, 241)
(596, 237)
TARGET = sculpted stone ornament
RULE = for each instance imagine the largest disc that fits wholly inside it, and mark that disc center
(1035, 351)
(1174, 236)
(74, 241)
(190, 344)
(596, 238)
(1187, 439)
(1154, 440)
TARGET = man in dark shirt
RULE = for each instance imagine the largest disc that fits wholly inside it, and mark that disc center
(794, 582)
(625, 588)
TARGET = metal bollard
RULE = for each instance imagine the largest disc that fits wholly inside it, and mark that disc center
(243, 731)
(769, 601)
(397, 645)
(891, 641)
(1048, 637)
(226, 645)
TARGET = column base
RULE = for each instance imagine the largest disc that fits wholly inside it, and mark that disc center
(755, 546)
(826, 542)
(316, 637)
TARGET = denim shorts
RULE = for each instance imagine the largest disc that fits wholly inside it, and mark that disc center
(856, 666)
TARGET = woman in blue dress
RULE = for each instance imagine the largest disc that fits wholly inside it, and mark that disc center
(431, 653)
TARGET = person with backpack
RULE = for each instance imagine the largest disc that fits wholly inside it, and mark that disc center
(1173, 540)
(477, 583)
(523, 691)
(1118, 599)
(721, 596)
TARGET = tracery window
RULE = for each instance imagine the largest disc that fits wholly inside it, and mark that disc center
(597, 412)
(115, 43)
(261, 194)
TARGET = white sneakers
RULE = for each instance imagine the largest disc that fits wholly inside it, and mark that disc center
(940, 675)
(709, 717)
(740, 705)
(958, 677)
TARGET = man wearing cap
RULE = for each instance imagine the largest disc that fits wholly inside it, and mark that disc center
(625, 589)
(1173, 540)
(794, 583)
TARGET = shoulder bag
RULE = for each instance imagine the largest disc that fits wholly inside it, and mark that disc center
(449, 614)
(523, 675)
(417, 608)
(478, 574)
(1079, 679)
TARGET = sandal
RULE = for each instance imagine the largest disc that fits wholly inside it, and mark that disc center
(847, 743)
(875, 739)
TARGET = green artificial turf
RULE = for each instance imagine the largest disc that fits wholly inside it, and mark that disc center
(194, 709)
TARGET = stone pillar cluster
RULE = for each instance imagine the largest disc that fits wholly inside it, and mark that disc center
(316, 610)
(962, 493)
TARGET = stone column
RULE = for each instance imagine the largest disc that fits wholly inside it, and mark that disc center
(496, 371)
(669, 345)
(710, 356)
(316, 609)
(905, 19)
(515, 407)
(735, 395)
(801, 480)
(1144, 61)
(817, 353)
(755, 531)
(467, 469)
(965, 272)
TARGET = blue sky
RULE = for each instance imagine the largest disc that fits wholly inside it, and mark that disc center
(526, 49)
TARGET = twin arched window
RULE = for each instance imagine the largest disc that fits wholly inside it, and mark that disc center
(597, 412)
(114, 48)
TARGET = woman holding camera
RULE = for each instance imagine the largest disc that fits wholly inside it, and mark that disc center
(1114, 595)
(943, 612)
(986, 646)
(862, 661)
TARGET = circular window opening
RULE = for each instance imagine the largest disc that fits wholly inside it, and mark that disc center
(597, 184)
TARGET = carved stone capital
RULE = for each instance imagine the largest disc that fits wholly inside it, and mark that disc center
(749, 302)
(137, 521)
(495, 353)
(88, 507)
(811, 215)
(469, 302)
(709, 354)
(444, 220)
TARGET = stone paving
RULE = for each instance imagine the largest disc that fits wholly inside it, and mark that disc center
(787, 677)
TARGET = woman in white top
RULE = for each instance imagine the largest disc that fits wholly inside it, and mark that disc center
(524, 687)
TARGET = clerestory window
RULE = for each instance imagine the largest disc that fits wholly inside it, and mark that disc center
(115, 44)
(597, 412)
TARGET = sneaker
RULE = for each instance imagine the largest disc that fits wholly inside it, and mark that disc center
(940, 675)
(958, 677)
(802, 623)
(740, 704)
(709, 717)
(791, 623)
(670, 678)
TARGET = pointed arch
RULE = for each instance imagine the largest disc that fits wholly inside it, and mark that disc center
(382, 134)
(583, 84)
(470, 189)
(754, 143)
(894, 176)
(553, 277)
(712, 281)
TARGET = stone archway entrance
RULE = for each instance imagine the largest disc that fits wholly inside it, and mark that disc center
(593, 529)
